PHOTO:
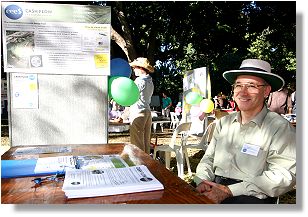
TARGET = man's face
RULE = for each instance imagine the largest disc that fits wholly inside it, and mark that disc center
(250, 93)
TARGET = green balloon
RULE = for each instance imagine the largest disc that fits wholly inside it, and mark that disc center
(193, 98)
(124, 91)
(110, 80)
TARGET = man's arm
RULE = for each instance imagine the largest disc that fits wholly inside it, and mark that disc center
(205, 170)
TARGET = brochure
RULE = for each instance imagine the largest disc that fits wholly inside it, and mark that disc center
(109, 181)
(91, 162)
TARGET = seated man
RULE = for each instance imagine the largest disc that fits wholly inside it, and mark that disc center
(115, 111)
(123, 118)
(252, 156)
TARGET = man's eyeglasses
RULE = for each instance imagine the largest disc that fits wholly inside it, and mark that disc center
(55, 178)
(251, 88)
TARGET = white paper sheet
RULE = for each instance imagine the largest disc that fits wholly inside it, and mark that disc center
(112, 181)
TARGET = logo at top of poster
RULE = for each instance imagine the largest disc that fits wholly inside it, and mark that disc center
(13, 12)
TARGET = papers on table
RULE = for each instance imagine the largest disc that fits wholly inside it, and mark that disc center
(42, 150)
(54, 164)
(91, 162)
(111, 181)
(94, 162)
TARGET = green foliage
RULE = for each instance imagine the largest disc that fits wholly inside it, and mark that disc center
(260, 47)
(183, 35)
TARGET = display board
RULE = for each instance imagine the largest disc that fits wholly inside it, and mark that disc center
(57, 58)
(196, 80)
(71, 110)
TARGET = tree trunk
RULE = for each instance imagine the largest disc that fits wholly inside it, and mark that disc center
(125, 41)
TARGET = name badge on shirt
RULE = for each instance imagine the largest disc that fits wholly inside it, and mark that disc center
(250, 149)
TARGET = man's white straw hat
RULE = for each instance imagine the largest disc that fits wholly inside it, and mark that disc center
(259, 68)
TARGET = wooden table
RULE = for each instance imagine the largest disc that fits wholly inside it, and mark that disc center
(176, 190)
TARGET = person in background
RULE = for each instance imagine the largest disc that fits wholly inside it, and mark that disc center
(221, 102)
(140, 112)
(225, 104)
(178, 110)
(252, 155)
(116, 110)
(278, 101)
(123, 118)
(166, 105)
(232, 104)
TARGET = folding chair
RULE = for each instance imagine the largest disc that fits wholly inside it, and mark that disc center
(174, 120)
(205, 139)
(202, 144)
(173, 146)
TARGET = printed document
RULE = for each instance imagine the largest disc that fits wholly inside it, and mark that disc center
(91, 162)
(110, 181)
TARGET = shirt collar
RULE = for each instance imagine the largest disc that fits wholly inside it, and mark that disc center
(258, 119)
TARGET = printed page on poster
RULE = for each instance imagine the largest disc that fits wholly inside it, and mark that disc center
(25, 93)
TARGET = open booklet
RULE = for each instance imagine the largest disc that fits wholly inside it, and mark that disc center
(91, 162)
(110, 181)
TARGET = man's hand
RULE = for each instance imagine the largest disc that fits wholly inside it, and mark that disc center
(216, 192)
(203, 187)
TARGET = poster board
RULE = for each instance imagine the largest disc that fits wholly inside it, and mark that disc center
(56, 38)
(63, 49)
(196, 80)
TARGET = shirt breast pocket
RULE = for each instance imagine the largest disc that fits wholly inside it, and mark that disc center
(250, 164)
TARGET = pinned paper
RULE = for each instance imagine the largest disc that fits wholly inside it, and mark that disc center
(25, 91)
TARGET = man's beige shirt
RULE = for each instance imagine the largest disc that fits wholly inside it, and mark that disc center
(262, 153)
